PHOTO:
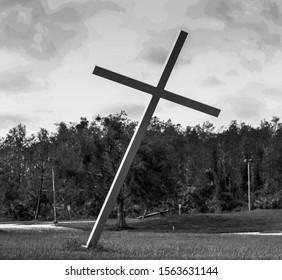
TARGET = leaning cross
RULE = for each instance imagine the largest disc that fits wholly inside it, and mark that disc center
(157, 93)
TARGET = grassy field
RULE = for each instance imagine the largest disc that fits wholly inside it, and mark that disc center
(197, 236)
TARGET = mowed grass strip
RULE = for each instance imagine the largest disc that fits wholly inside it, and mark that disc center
(194, 237)
(141, 245)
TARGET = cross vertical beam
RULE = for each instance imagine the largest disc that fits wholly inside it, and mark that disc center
(134, 144)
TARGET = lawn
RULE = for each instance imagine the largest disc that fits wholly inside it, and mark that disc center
(195, 236)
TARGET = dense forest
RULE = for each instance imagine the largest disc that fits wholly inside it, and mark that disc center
(199, 167)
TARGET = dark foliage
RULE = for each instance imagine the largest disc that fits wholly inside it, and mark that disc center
(202, 169)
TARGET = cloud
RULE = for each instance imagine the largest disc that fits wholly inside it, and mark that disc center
(253, 16)
(10, 82)
(157, 55)
(43, 33)
(245, 107)
(271, 11)
(273, 93)
(251, 65)
(224, 10)
(157, 48)
(254, 101)
(43, 111)
(66, 15)
(248, 107)
(231, 73)
(266, 37)
(212, 82)
(19, 81)
(12, 119)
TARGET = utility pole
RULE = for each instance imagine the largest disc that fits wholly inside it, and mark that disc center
(248, 160)
(54, 197)
(179, 209)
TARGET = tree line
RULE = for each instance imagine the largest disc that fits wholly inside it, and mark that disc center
(199, 167)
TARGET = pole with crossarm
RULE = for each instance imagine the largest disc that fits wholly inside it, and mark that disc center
(157, 93)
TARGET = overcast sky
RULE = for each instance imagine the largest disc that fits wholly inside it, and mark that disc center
(232, 59)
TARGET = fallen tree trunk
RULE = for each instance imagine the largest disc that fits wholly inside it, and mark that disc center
(152, 214)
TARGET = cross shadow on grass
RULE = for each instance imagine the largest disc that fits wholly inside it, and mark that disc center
(254, 221)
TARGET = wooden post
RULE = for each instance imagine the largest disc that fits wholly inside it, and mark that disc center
(69, 210)
(249, 186)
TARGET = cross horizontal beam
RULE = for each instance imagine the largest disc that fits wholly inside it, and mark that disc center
(170, 96)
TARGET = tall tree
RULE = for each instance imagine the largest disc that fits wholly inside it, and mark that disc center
(14, 150)
(117, 131)
(39, 153)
